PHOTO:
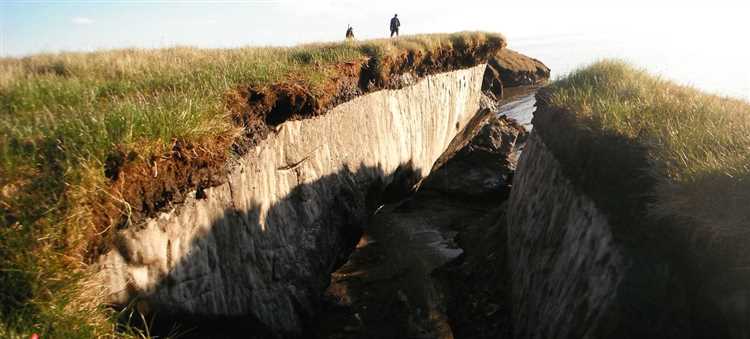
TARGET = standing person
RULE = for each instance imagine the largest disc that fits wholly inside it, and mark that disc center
(349, 33)
(395, 24)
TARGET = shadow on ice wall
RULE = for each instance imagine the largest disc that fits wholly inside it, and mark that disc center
(267, 278)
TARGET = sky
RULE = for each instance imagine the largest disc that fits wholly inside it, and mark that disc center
(701, 43)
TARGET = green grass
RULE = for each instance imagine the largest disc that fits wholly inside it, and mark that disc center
(695, 146)
(63, 114)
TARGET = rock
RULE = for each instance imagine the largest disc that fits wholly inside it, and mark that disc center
(492, 85)
(482, 163)
(488, 103)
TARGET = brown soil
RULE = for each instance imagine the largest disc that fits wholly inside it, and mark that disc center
(142, 187)
(294, 100)
(516, 69)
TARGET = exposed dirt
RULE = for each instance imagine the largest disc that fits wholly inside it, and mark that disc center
(143, 187)
(492, 84)
(294, 100)
(516, 69)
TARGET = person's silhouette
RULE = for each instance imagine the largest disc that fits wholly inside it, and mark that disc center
(395, 24)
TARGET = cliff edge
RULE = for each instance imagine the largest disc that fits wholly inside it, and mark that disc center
(278, 146)
(626, 212)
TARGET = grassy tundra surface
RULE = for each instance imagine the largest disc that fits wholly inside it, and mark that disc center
(64, 115)
(635, 137)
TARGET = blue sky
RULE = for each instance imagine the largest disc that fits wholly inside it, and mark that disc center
(42, 26)
(677, 38)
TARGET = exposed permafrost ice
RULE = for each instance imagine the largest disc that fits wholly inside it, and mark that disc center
(262, 245)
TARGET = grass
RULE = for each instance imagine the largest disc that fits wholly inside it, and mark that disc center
(695, 146)
(63, 114)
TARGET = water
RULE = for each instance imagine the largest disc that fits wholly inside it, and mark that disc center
(712, 65)
(521, 110)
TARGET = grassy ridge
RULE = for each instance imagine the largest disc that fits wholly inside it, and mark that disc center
(63, 114)
(697, 146)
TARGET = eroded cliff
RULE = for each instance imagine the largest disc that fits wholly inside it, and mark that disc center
(564, 261)
(589, 256)
(262, 244)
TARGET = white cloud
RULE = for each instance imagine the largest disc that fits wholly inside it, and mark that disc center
(79, 20)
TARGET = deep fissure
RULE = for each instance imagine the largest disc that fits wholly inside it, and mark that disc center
(403, 183)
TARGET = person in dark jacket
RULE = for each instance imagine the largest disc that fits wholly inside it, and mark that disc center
(395, 24)
(350, 33)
